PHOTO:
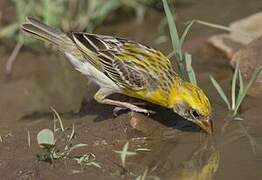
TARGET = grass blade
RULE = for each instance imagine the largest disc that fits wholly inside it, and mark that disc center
(172, 27)
(124, 153)
(9, 30)
(77, 146)
(233, 88)
(220, 92)
(216, 26)
(59, 118)
(104, 8)
(189, 68)
(72, 133)
(241, 85)
(28, 138)
(254, 77)
(183, 37)
(225, 28)
(175, 41)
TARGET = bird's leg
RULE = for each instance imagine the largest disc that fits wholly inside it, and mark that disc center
(116, 110)
(101, 95)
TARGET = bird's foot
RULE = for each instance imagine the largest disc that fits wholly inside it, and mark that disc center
(131, 107)
(101, 95)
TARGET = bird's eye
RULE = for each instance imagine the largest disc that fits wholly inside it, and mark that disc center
(195, 114)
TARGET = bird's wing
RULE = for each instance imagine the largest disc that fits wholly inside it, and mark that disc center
(129, 64)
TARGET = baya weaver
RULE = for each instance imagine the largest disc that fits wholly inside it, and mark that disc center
(123, 66)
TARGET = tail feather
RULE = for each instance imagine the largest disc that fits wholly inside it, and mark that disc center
(45, 32)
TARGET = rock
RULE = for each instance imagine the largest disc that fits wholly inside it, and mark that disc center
(250, 58)
(226, 44)
(144, 124)
(243, 32)
(39, 81)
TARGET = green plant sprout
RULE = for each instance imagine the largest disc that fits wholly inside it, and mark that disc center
(48, 142)
(124, 153)
(144, 175)
(3, 137)
(57, 117)
(183, 61)
(79, 15)
(87, 160)
(236, 99)
(28, 139)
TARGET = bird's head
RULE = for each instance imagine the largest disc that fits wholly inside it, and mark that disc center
(190, 102)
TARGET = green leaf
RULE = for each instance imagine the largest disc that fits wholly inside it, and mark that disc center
(78, 146)
(94, 164)
(225, 28)
(220, 92)
(233, 87)
(72, 133)
(213, 25)
(124, 153)
(46, 138)
(241, 85)
(254, 77)
(175, 41)
(9, 30)
(183, 37)
(172, 27)
(143, 149)
(189, 68)
(103, 9)
(143, 177)
(59, 118)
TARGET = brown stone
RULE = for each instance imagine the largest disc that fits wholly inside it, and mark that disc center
(250, 58)
(243, 31)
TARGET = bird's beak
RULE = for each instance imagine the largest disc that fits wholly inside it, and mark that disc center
(206, 125)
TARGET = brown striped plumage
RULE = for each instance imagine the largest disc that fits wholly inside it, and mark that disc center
(129, 64)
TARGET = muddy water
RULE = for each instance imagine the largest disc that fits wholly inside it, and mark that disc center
(177, 149)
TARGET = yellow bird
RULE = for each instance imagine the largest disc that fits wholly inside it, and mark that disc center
(123, 66)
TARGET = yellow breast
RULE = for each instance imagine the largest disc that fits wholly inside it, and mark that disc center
(158, 96)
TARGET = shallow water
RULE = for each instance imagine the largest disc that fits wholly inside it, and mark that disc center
(177, 149)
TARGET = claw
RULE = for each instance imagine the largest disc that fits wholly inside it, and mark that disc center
(116, 110)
